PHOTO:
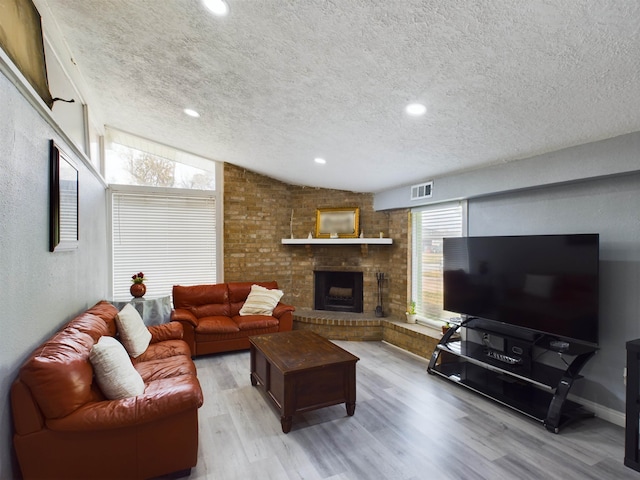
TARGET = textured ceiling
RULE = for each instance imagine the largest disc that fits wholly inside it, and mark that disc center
(279, 82)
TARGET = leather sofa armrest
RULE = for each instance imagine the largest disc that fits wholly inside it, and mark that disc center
(284, 314)
(166, 331)
(189, 323)
(161, 398)
(27, 417)
(281, 309)
(182, 315)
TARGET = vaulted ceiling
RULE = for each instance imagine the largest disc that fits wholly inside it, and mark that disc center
(280, 82)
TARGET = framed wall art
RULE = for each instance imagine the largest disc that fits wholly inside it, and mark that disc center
(63, 201)
(338, 222)
(21, 39)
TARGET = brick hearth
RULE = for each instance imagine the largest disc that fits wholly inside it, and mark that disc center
(417, 339)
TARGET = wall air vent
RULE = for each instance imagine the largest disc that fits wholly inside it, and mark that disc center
(422, 190)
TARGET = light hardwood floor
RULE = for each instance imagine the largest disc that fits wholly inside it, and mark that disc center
(407, 425)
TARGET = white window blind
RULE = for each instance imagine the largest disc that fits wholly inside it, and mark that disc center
(170, 238)
(429, 225)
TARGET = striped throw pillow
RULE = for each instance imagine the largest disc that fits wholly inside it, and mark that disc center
(261, 301)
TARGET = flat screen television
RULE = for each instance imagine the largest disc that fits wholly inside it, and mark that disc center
(543, 283)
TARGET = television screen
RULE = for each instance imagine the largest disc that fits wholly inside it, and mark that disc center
(545, 283)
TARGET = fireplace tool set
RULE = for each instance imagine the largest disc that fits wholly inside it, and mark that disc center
(380, 279)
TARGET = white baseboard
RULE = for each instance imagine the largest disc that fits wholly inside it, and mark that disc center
(605, 413)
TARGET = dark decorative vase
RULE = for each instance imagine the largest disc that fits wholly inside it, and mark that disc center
(138, 289)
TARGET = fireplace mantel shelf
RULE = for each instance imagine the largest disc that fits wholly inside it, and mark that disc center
(363, 242)
(337, 241)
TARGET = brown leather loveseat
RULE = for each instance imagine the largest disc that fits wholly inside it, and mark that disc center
(65, 427)
(211, 320)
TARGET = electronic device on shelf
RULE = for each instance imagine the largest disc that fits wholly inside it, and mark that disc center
(503, 358)
(559, 345)
(512, 351)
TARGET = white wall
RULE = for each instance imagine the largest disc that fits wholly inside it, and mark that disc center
(39, 290)
(70, 116)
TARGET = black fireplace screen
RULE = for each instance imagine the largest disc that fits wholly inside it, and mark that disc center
(338, 291)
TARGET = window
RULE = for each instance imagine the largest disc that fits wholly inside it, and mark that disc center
(163, 216)
(132, 160)
(171, 238)
(429, 225)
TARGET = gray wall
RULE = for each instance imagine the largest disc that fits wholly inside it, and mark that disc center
(613, 156)
(591, 188)
(39, 290)
(608, 206)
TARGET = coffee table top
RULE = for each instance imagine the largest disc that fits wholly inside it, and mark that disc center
(300, 350)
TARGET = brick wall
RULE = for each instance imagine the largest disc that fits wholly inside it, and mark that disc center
(257, 215)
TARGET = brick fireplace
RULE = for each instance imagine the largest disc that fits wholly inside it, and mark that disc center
(260, 211)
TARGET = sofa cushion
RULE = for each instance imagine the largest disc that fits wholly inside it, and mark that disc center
(165, 368)
(261, 301)
(210, 310)
(133, 333)
(162, 399)
(231, 337)
(90, 324)
(251, 322)
(209, 325)
(192, 297)
(114, 371)
(164, 349)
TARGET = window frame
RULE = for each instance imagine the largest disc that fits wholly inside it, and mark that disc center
(216, 194)
(421, 318)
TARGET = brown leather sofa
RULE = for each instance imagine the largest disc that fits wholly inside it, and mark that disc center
(211, 320)
(64, 427)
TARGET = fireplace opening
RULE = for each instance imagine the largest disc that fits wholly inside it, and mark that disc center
(338, 291)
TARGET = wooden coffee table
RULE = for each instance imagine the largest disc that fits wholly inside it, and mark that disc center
(302, 371)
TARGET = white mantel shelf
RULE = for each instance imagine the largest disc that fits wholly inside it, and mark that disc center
(337, 241)
(363, 242)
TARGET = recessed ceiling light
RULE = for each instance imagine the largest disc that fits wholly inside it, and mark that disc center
(217, 7)
(191, 113)
(319, 160)
(415, 109)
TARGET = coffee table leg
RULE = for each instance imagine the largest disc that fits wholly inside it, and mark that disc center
(252, 364)
(351, 409)
(351, 389)
(286, 423)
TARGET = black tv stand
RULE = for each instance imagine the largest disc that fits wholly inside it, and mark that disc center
(519, 380)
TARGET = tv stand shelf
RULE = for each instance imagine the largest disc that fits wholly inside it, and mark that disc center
(531, 388)
(541, 375)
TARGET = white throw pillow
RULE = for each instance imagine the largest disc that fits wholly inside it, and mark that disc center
(261, 301)
(135, 336)
(114, 371)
